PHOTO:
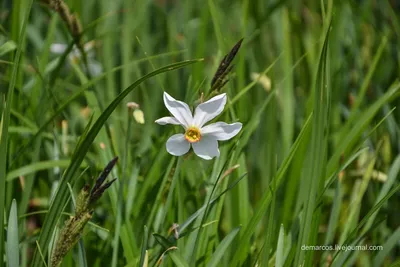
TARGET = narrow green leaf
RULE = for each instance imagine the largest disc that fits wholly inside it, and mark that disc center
(171, 189)
(38, 166)
(143, 254)
(7, 47)
(165, 243)
(393, 175)
(353, 235)
(222, 247)
(390, 244)
(82, 254)
(368, 77)
(359, 126)
(314, 170)
(200, 211)
(359, 190)
(177, 258)
(279, 260)
(12, 237)
(216, 22)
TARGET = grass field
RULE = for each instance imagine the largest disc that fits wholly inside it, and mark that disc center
(311, 179)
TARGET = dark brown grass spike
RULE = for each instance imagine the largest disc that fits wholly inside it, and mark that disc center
(224, 67)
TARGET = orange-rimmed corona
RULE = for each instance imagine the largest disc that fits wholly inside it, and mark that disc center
(193, 135)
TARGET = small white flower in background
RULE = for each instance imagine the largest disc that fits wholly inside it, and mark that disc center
(132, 105)
(138, 114)
(74, 56)
(203, 139)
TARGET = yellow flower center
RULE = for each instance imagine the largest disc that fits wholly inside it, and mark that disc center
(192, 135)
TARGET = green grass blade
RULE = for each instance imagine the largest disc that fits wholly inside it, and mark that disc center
(362, 122)
(216, 23)
(279, 260)
(175, 178)
(359, 189)
(200, 211)
(337, 256)
(144, 247)
(221, 249)
(388, 246)
(314, 173)
(393, 175)
(12, 237)
(82, 254)
(38, 166)
(287, 94)
(178, 258)
(7, 47)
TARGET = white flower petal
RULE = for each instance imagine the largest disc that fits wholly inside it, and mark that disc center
(167, 120)
(58, 48)
(209, 110)
(177, 145)
(206, 148)
(221, 130)
(179, 110)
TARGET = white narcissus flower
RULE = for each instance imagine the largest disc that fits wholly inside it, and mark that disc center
(203, 139)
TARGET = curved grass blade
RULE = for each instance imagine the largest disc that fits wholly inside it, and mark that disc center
(178, 259)
(82, 254)
(362, 122)
(78, 156)
(388, 246)
(12, 237)
(280, 259)
(38, 166)
(363, 89)
(200, 211)
(193, 244)
(374, 209)
(221, 249)
(93, 225)
(171, 189)
(7, 47)
(392, 177)
(144, 247)
(315, 171)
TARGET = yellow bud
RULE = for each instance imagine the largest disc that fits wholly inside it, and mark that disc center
(262, 79)
(139, 116)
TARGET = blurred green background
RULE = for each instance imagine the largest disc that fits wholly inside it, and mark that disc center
(315, 84)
